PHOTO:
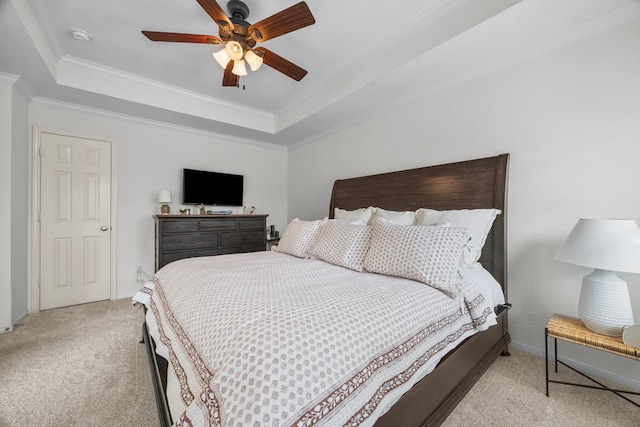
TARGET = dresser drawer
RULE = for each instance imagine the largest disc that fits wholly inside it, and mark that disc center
(178, 226)
(191, 241)
(252, 224)
(242, 238)
(217, 225)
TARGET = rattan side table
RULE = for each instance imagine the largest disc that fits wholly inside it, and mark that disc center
(572, 330)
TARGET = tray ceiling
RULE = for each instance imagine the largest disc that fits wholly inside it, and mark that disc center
(363, 57)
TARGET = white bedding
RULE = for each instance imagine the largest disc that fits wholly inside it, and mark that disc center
(268, 339)
(488, 285)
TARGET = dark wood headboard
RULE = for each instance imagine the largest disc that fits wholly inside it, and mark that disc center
(472, 184)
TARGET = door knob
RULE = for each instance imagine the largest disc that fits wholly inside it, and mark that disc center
(104, 228)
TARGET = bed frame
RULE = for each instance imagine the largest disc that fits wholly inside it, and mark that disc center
(472, 184)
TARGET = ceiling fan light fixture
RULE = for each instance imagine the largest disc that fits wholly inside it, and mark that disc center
(234, 50)
(222, 57)
(255, 61)
(239, 68)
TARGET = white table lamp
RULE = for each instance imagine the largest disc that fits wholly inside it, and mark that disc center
(607, 246)
(164, 197)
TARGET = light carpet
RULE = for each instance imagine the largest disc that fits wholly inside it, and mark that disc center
(84, 366)
(77, 366)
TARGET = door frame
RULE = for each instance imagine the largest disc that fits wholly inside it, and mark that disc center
(35, 210)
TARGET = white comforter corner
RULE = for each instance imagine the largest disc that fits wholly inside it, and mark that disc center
(267, 339)
(143, 296)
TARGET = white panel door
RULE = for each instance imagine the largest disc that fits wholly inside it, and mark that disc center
(75, 212)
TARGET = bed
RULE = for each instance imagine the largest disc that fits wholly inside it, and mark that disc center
(213, 381)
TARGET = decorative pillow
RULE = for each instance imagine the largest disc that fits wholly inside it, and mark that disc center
(343, 244)
(428, 254)
(298, 237)
(397, 217)
(362, 214)
(478, 221)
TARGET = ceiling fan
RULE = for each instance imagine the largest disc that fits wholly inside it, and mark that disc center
(239, 38)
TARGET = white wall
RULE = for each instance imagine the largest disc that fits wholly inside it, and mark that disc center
(571, 121)
(19, 207)
(5, 207)
(150, 157)
(14, 223)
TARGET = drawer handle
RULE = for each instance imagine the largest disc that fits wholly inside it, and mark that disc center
(191, 242)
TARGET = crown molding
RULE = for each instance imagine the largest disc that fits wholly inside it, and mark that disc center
(96, 78)
(76, 108)
(18, 83)
(8, 79)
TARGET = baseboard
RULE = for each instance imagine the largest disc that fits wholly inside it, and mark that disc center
(17, 322)
(591, 370)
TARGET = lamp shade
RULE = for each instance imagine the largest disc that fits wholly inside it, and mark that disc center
(606, 244)
(234, 50)
(164, 196)
(254, 60)
(239, 68)
(221, 57)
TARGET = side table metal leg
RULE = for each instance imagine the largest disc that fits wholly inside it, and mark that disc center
(546, 358)
(555, 349)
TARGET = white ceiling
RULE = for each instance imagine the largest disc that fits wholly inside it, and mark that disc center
(363, 57)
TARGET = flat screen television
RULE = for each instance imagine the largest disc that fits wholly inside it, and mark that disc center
(211, 188)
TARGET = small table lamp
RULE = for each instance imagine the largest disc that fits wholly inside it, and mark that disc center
(164, 197)
(607, 246)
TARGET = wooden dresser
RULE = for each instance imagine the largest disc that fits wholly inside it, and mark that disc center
(183, 236)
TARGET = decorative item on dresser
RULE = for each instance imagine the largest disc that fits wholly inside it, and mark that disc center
(181, 236)
(164, 197)
(606, 245)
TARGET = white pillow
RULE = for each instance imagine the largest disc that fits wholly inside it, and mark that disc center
(298, 237)
(397, 217)
(428, 254)
(342, 243)
(478, 221)
(362, 214)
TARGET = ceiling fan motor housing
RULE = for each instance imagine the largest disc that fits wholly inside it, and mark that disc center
(238, 12)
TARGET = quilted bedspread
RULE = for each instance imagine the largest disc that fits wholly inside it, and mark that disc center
(267, 339)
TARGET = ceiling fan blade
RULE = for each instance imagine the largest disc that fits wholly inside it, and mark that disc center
(229, 79)
(290, 19)
(157, 36)
(285, 66)
(216, 13)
